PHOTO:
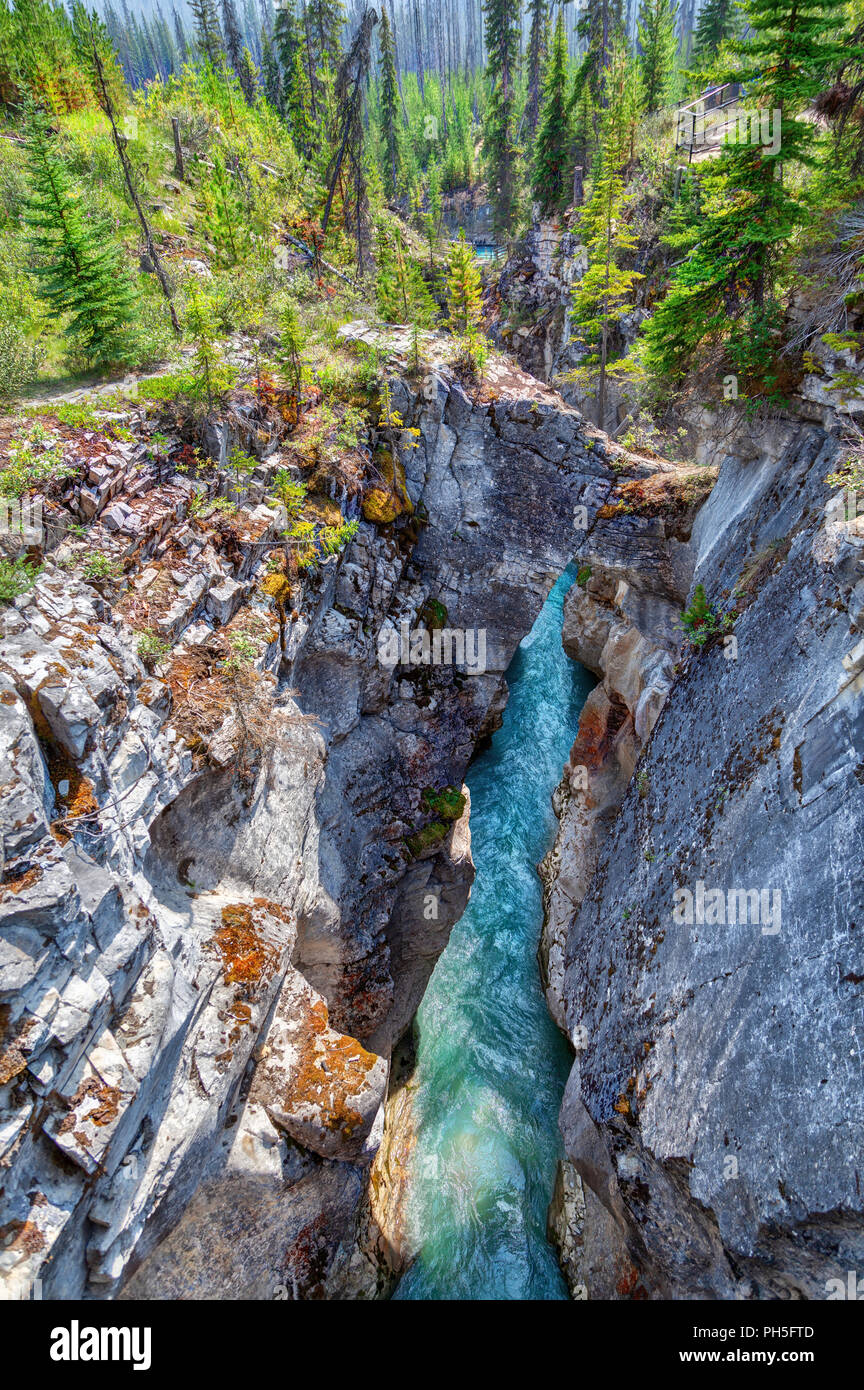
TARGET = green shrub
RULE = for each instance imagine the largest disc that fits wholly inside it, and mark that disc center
(16, 577)
(20, 360)
(333, 539)
(30, 467)
(98, 566)
(424, 839)
(291, 494)
(700, 622)
(152, 648)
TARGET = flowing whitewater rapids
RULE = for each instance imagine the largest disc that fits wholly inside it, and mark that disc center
(491, 1065)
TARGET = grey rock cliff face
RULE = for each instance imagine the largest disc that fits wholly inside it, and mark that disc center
(714, 1113)
(209, 941)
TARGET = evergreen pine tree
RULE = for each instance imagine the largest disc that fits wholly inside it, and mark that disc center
(180, 39)
(208, 35)
(537, 49)
(299, 105)
(601, 297)
(657, 48)
(325, 20)
(551, 182)
(403, 296)
(582, 118)
(389, 109)
(209, 379)
(464, 288)
(247, 76)
(347, 169)
(500, 138)
(78, 267)
(286, 40)
(226, 212)
(598, 24)
(233, 36)
(434, 208)
(289, 353)
(717, 22)
(270, 74)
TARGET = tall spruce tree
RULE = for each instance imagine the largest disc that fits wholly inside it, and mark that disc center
(389, 108)
(180, 40)
(232, 34)
(271, 75)
(717, 21)
(602, 296)
(500, 150)
(325, 20)
(582, 116)
(403, 296)
(598, 23)
(247, 75)
(77, 264)
(286, 39)
(537, 45)
(551, 182)
(208, 35)
(464, 288)
(657, 48)
(298, 107)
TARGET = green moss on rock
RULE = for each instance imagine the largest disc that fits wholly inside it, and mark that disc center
(447, 804)
(433, 614)
(426, 838)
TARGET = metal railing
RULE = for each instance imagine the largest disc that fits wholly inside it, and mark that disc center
(700, 125)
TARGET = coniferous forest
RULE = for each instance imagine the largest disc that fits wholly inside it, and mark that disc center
(369, 137)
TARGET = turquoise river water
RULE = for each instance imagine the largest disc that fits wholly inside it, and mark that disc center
(491, 1065)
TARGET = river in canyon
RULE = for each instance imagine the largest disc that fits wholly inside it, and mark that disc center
(491, 1065)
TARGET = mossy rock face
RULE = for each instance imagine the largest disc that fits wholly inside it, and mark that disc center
(385, 501)
(278, 587)
(446, 805)
(428, 838)
(381, 507)
(433, 614)
(322, 509)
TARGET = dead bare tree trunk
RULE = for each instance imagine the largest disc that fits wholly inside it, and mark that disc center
(419, 38)
(179, 167)
(108, 107)
(350, 79)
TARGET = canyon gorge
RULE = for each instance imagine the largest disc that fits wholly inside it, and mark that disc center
(214, 947)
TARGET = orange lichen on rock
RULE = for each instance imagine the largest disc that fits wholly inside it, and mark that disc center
(248, 958)
(105, 1109)
(331, 1069)
(665, 494)
(18, 883)
(278, 587)
(12, 1057)
(22, 1236)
